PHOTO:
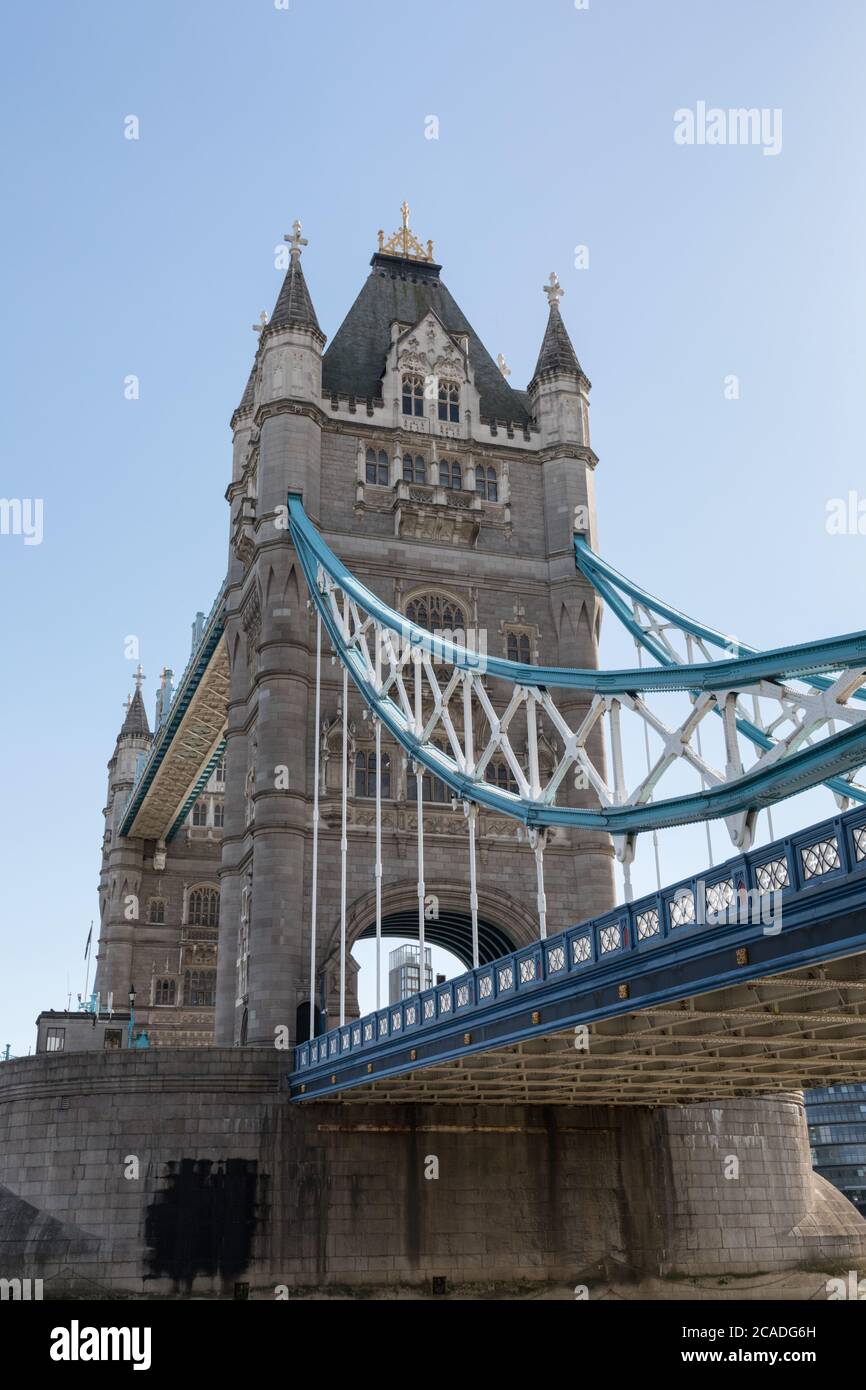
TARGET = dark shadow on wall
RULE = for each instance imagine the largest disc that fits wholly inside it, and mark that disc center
(203, 1221)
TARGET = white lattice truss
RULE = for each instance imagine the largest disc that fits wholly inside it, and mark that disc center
(433, 695)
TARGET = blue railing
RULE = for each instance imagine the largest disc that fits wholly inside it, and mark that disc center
(832, 849)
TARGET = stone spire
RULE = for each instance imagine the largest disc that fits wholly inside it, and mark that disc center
(136, 715)
(557, 354)
(294, 307)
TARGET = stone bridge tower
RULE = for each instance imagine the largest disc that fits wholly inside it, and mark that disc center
(452, 495)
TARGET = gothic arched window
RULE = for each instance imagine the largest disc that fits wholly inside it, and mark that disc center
(519, 648)
(365, 774)
(486, 483)
(219, 814)
(413, 395)
(378, 468)
(449, 401)
(414, 470)
(500, 774)
(204, 907)
(199, 988)
(166, 992)
(199, 813)
(156, 912)
(450, 474)
(434, 788)
(435, 612)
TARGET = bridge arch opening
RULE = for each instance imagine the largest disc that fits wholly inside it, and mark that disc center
(505, 924)
(448, 942)
(302, 1021)
(451, 930)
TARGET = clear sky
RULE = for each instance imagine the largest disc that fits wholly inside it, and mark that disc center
(555, 129)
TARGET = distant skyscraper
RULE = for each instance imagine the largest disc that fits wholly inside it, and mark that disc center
(836, 1116)
(403, 972)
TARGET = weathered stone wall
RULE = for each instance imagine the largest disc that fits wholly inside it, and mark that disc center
(235, 1185)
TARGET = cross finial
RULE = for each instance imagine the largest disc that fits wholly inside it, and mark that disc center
(296, 241)
(139, 677)
(262, 323)
(126, 704)
(553, 290)
(502, 364)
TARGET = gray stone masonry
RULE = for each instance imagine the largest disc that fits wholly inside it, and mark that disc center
(324, 1194)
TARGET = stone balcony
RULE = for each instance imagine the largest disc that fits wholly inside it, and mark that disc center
(433, 513)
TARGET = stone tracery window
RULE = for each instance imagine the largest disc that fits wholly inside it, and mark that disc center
(199, 813)
(487, 483)
(450, 474)
(165, 992)
(378, 468)
(519, 647)
(156, 912)
(449, 401)
(365, 774)
(499, 773)
(204, 907)
(413, 395)
(435, 790)
(436, 612)
(414, 469)
(199, 988)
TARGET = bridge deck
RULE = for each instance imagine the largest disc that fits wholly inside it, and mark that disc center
(677, 1005)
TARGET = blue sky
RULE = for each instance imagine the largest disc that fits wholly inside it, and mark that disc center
(556, 126)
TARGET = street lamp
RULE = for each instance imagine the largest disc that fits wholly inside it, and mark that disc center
(131, 1028)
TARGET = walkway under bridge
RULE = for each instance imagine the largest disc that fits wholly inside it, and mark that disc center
(747, 979)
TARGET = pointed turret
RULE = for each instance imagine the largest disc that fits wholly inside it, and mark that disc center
(294, 307)
(559, 389)
(557, 352)
(557, 356)
(559, 396)
(135, 723)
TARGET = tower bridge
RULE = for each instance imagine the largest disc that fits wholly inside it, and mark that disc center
(340, 760)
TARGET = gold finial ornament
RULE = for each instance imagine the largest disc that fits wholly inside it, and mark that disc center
(404, 242)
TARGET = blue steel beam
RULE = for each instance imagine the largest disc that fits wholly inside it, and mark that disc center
(762, 786)
(611, 585)
(784, 663)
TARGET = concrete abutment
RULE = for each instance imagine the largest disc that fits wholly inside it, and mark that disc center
(176, 1172)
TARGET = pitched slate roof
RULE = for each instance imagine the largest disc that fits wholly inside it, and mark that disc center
(405, 290)
(557, 353)
(294, 307)
(136, 717)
